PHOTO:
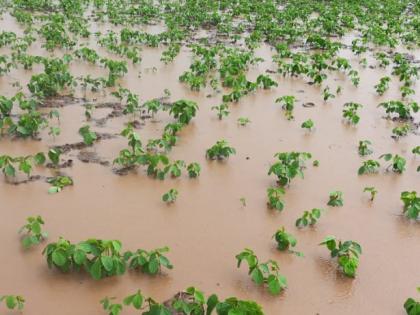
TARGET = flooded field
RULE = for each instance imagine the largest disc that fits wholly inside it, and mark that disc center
(224, 209)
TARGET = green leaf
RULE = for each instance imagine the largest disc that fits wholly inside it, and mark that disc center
(59, 258)
(107, 262)
(11, 302)
(96, 270)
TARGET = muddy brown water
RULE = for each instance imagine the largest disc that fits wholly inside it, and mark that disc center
(208, 225)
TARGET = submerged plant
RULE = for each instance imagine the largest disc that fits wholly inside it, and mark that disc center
(364, 147)
(412, 306)
(275, 198)
(183, 110)
(289, 165)
(288, 103)
(308, 124)
(372, 191)
(33, 230)
(193, 169)
(368, 167)
(350, 112)
(336, 199)
(13, 301)
(170, 196)
(309, 218)
(58, 183)
(398, 162)
(150, 262)
(347, 254)
(243, 121)
(222, 110)
(88, 136)
(263, 273)
(221, 150)
(285, 241)
(411, 204)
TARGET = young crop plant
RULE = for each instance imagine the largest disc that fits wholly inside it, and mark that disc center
(416, 150)
(266, 82)
(221, 150)
(33, 232)
(152, 106)
(243, 121)
(288, 166)
(287, 103)
(170, 196)
(263, 273)
(401, 131)
(309, 218)
(364, 148)
(175, 169)
(183, 110)
(88, 136)
(13, 301)
(150, 262)
(275, 198)
(372, 191)
(411, 204)
(398, 162)
(285, 241)
(383, 85)
(58, 183)
(193, 170)
(327, 94)
(222, 110)
(315, 163)
(412, 306)
(347, 254)
(369, 167)
(336, 199)
(308, 124)
(54, 156)
(402, 110)
(100, 258)
(350, 112)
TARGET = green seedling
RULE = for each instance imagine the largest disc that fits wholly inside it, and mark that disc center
(183, 110)
(170, 196)
(88, 136)
(398, 162)
(33, 232)
(364, 147)
(383, 85)
(347, 254)
(222, 110)
(369, 167)
(275, 198)
(350, 112)
(221, 150)
(411, 204)
(287, 103)
(193, 170)
(263, 273)
(401, 131)
(285, 241)
(412, 306)
(289, 165)
(13, 301)
(58, 183)
(309, 218)
(372, 191)
(150, 262)
(243, 121)
(336, 199)
(308, 124)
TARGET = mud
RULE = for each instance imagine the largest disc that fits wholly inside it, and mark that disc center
(208, 225)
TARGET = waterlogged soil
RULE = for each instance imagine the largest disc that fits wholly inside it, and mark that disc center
(208, 224)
